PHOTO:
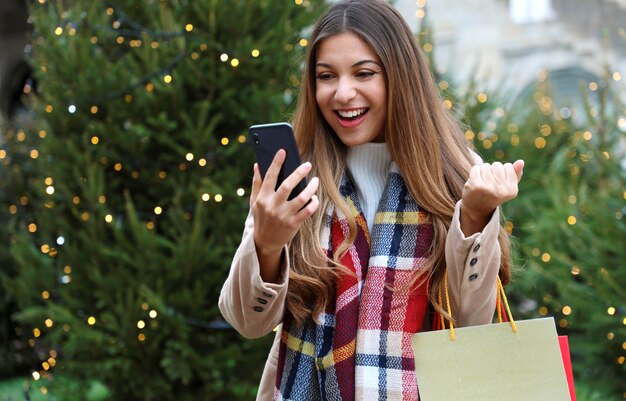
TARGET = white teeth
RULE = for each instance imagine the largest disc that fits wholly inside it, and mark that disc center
(351, 113)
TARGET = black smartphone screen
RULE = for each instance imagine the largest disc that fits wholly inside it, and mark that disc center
(267, 139)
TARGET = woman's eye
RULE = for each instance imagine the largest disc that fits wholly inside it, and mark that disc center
(324, 76)
(365, 74)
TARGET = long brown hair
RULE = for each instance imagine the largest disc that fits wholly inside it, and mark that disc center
(422, 136)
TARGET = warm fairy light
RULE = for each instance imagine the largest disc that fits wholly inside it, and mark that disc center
(32, 227)
(145, 306)
(45, 294)
(195, 56)
(218, 198)
(36, 332)
(42, 134)
(256, 53)
(587, 135)
(610, 336)
(95, 140)
(21, 135)
(206, 197)
(3, 153)
(91, 320)
(420, 13)
(120, 40)
(34, 154)
(234, 62)
(49, 323)
(593, 86)
(167, 78)
(563, 323)
(241, 138)
(58, 31)
(189, 156)
(76, 200)
(49, 108)
(611, 311)
(303, 42)
(545, 257)
(141, 337)
(241, 192)
(93, 109)
(617, 76)
(202, 162)
(102, 199)
(298, 2)
(224, 141)
(149, 87)
(153, 314)
(162, 175)
(545, 130)
(12, 209)
(141, 324)
(571, 220)
(128, 98)
(224, 57)
(150, 225)
(566, 310)
(188, 27)
(540, 143)
(572, 199)
(575, 270)
(50, 190)
(117, 166)
(110, 11)
(482, 98)
(543, 311)
(447, 104)
(36, 375)
(108, 218)
(428, 47)
(158, 210)
(443, 85)
(154, 44)
(93, 40)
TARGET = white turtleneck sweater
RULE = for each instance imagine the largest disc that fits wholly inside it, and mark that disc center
(369, 166)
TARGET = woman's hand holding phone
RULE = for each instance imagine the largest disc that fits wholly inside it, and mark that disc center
(277, 219)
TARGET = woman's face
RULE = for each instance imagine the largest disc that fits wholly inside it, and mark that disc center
(350, 89)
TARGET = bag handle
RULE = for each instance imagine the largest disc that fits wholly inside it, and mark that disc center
(500, 296)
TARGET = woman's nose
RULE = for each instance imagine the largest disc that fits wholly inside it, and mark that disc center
(345, 91)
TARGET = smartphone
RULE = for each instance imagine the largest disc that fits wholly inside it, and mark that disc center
(267, 139)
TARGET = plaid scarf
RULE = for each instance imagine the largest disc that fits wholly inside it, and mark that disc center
(360, 347)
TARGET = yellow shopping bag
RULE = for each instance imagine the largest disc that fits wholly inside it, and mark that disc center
(503, 361)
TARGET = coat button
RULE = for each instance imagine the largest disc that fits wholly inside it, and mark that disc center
(267, 294)
(473, 261)
(258, 309)
(473, 277)
(262, 301)
(476, 248)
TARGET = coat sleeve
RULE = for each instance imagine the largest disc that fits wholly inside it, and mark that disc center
(473, 263)
(254, 308)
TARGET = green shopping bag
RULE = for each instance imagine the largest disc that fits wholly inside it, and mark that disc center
(503, 361)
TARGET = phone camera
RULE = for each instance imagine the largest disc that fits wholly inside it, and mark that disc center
(255, 137)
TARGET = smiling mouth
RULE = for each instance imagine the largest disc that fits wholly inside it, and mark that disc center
(350, 115)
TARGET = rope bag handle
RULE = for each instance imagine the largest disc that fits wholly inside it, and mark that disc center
(504, 311)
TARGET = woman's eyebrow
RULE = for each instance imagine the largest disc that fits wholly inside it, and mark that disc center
(357, 64)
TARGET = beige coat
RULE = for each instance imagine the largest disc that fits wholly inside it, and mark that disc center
(255, 308)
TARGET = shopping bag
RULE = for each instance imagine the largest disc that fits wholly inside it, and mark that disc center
(515, 361)
(567, 364)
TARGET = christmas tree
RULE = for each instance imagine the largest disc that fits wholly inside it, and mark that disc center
(568, 221)
(138, 191)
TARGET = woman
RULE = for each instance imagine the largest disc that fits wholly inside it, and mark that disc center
(395, 201)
